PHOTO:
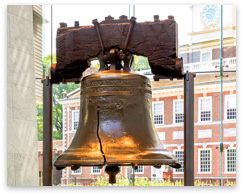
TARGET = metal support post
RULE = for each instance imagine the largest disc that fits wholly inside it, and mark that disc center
(221, 96)
(129, 175)
(133, 177)
(47, 132)
(189, 129)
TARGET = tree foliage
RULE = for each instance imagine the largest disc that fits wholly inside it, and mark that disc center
(46, 62)
(58, 89)
(140, 63)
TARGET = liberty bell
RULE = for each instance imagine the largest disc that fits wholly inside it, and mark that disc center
(115, 124)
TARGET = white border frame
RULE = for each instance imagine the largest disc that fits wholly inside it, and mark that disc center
(226, 172)
(199, 150)
(174, 170)
(199, 109)
(225, 110)
(95, 173)
(121, 167)
(153, 111)
(174, 101)
(73, 111)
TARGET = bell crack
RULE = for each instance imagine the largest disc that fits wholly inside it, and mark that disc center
(101, 147)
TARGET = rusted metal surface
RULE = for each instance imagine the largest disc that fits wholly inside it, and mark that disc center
(78, 45)
(122, 132)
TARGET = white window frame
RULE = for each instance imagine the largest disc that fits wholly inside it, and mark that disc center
(226, 98)
(199, 168)
(73, 171)
(95, 173)
(174, 171)
(174, 101)
(226, 160)
(120, 167)
(203, 52)
(73, 112)
(138, 172)
(199, 109)
(153, 111)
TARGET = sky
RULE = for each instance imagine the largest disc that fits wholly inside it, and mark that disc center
(86, 13)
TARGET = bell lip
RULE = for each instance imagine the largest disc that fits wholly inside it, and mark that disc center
(153, 159)
(144, 162)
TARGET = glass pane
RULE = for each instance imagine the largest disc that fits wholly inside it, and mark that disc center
(231, 102)
(198, 45)
(205, 104)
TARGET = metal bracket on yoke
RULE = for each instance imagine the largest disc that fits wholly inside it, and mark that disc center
(132, 23)
(96, 25)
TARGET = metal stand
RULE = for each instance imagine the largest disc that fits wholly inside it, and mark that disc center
(47, 133)
(189, 129)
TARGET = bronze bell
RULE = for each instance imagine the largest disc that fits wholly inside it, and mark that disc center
(115, 126)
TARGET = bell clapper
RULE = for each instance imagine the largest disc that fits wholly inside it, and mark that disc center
(75, 167)
(157, 166)
(112, 171)
(135, 167)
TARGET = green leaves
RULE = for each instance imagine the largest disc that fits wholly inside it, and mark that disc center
(141, 63)
(58, 89)
(46, 63)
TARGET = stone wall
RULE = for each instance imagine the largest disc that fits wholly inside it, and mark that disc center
(22, 153)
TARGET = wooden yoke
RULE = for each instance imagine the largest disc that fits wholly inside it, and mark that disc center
(77, 46)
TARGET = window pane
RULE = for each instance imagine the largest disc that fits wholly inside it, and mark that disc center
(205, 105)
(231, 107)
(96, 170)
(75, 120)
(76, 116)
(205, 165)
(78, 171)
(180, 156)
(205, 116)
(179, 107)
(231, 113)
(231, 102)
(139, 170)
(158, 113)
(205, 109)
(231, 160)
(179, 112)
(206, 56)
